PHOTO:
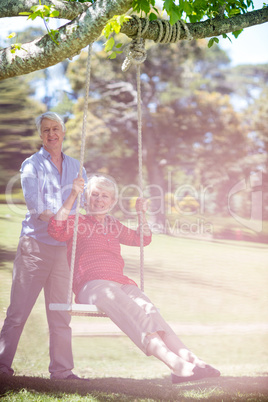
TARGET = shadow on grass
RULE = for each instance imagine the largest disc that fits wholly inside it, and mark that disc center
(123, 389)
(6, 256)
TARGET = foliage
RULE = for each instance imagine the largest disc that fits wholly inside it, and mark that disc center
(113, 26)
(45, 12)
(18, 138)
(15, 46)
(188, 128)
(192, 11)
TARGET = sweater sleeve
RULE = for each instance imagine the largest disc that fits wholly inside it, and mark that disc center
(131, 237)
(61, 230)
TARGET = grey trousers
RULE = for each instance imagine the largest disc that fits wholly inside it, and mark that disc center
(39, 266)
(128, 307)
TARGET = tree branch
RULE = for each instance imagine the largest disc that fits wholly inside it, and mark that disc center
(87, 26)
(73, 37)
(205, 29)
(67, 10)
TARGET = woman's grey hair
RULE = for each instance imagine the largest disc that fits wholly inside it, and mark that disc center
(104, 183)
(49, 116)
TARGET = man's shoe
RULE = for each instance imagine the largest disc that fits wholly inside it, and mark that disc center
(71, 377)
(5, 374)
(75, 377)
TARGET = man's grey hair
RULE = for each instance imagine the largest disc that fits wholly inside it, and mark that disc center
(49, 116)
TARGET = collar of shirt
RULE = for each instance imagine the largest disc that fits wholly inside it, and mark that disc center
(47, 155)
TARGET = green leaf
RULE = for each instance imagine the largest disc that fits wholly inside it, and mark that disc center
(234, 11)
(142, 5)
(112, 55)
(237, 33)
(116, 27)
(174, 17)
(12, 35)
(54, 13)
(107, 30)
(109, 44)
(168, 5)
(212, 41)
(118, 45)
(226, 37)
(152, 17)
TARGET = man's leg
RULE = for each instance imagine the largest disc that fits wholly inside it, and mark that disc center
(28, 280)
(56, 291)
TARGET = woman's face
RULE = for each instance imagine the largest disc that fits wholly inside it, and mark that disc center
(100, 201)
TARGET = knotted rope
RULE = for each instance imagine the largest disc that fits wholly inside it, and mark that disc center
(171, 33)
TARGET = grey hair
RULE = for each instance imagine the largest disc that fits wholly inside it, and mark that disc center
(49, 116)
(104, 183)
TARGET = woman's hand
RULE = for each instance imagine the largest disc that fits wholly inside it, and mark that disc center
(78, 186)
(141, 205)
(64, 211)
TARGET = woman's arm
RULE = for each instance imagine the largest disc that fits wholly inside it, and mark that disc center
(64, 211)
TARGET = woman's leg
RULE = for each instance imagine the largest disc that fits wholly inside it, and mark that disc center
(176, 345)
(157, 347)
(168, 338)
(133, 313)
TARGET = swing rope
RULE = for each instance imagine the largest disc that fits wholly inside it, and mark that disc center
(82, 155)
(136, 55)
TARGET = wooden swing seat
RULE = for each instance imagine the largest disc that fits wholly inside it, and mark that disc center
(78, 309)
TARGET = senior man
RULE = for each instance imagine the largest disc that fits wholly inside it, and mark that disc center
(41, 262)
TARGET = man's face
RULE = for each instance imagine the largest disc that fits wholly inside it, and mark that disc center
(52, 135)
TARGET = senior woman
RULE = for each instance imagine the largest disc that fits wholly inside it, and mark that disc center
(99, 277)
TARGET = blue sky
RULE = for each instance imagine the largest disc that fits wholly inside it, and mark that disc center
(251, 46)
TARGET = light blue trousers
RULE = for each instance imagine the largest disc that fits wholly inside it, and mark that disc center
(128, 307)
(39, 266)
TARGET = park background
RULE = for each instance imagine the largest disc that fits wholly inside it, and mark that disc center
(205, 119)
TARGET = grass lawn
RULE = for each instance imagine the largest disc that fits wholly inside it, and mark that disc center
(215, 296)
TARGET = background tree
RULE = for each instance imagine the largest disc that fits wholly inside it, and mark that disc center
(190, 127)
(257, 117)
(204, 19)
(18, 137)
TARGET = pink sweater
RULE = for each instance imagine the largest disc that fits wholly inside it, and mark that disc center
(98, 251)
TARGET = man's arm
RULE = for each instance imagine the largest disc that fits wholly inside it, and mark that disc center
(32, 194)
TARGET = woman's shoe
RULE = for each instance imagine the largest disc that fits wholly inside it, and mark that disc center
(198, 374)
(212, 372)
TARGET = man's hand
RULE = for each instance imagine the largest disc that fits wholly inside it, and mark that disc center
(45, 215)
